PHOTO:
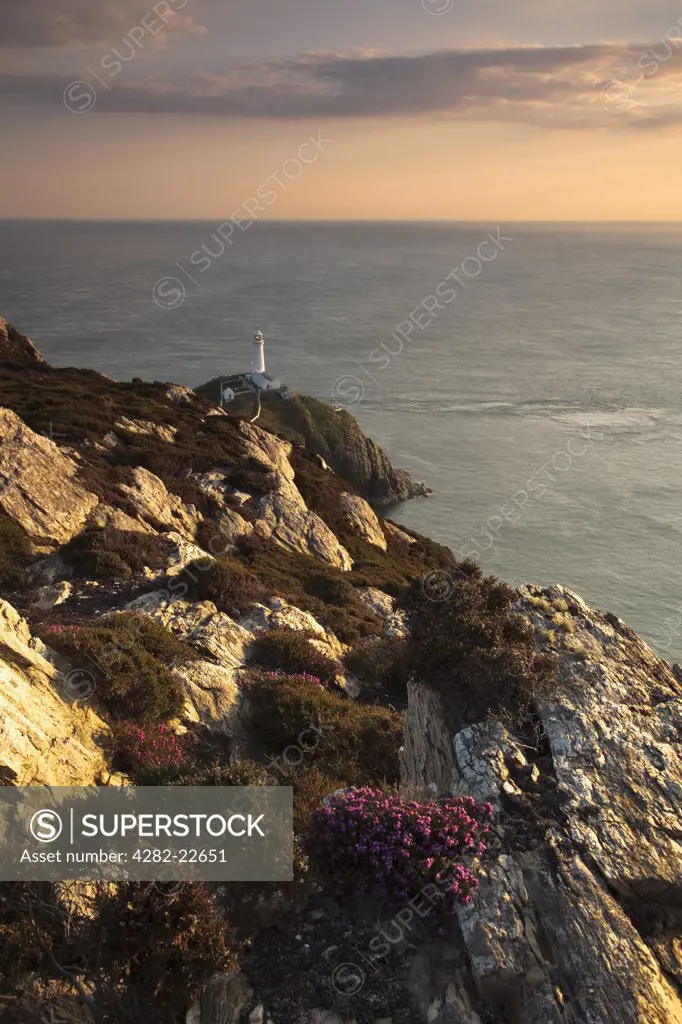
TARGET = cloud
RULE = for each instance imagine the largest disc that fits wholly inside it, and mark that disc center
(30, 23)
(559, 87)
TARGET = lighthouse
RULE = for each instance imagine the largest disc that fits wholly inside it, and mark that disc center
(255, 381)
(261, 380)
(258, 357)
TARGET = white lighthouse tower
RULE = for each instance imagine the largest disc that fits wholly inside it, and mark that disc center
(258, 357)
(259, 378)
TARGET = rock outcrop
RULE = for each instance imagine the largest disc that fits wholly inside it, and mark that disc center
(579, 913)
(39, 489)
(46, 736)
(16, 350)
(156, 506)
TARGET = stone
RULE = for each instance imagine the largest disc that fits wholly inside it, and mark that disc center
(184, 552)
(45, 738)
(394, 531)
(282, 615)
(16, 350)
(39, 487)
(146, 428)
(53, 594)
(383, 606)
(283, 514)
(104, 516)
(285, 517)
(224, 998)
(213, 697)
(363, 520)
(158, 506)
(212, 633)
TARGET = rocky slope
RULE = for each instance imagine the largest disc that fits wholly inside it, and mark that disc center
(334, 435)
(242, 562)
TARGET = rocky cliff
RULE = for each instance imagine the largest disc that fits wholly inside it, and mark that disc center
(335, 436)
(168, 569)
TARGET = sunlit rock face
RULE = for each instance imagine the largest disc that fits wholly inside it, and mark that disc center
(579, 909)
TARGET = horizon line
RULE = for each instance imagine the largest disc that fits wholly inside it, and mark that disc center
(325, 220)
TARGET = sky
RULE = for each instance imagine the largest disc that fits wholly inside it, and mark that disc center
(354, 109)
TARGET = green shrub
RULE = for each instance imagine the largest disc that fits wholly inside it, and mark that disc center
(226, 581)
(128, 657)
(290, 651)
(346, 740)
(379, 663)
(116, 554)
(15, 554)
(474, 649)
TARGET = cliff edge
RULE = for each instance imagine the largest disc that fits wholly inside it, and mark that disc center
(186, 597)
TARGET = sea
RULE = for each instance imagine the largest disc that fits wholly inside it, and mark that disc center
(531, 374)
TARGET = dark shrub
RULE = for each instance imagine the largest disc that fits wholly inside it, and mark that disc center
(237, 773)
(474, 649)
(102, 554)
(117, 554)
(129, 658)
(379, 663)
(157, 948)
(15, 554)
(348, 741)
(225, 581)
(325, 592)
(290, 651)
(372, 844)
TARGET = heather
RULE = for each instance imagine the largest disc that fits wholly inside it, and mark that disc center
(129, 658)
(152, 755)
(342, 738)
(369, 844)
(291, 651)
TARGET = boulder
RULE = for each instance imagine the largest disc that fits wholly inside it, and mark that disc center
(108, 515)
(285, 517)
(363, 520)
(39, 488)
(146, 428)
(47, 737)
(156, 505)
(213, 696)
(213, 633)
